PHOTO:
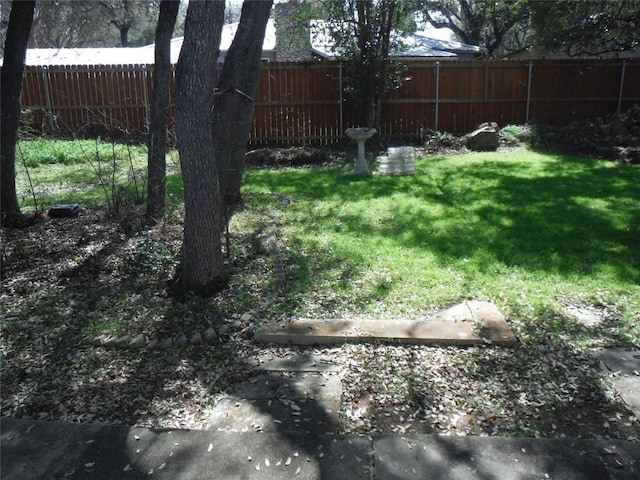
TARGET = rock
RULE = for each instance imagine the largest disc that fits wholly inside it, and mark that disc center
(100, 340)
(245, 317)
(155, 343)
(587, 316)
(168, 343)
(210, 335)
(109, 341)
(248, 332)
(138, 342)
(618, 128)
(180, 340)
(122, 341)
(236, 324)
(196, 338)
(223, 329)
(484, 138)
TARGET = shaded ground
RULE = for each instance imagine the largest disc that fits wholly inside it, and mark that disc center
(63, 279)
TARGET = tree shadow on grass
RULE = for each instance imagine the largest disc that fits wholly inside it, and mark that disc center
(570, 216)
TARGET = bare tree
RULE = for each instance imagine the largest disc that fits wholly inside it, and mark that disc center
(20, 21)
(157, 138)
(201, 268)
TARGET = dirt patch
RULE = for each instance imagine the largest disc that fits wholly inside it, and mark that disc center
(290, 157)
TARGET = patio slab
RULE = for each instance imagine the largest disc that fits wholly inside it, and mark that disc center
(468, 323)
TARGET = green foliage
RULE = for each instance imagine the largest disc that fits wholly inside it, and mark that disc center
(362, 33)
(148, 255)
(577, 27)
(501, 26)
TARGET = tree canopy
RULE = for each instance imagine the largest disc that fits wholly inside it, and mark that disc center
(91, 23)
(364, 33)
(499, 26)
(576, 27)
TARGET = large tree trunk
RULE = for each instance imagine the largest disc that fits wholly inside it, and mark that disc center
(201, 269)
(157, 138)
(234, 101)
(15, 47)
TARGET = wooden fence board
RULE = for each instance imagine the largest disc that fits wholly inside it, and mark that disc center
(303, 103)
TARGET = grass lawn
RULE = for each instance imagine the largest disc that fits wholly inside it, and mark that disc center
(531, 232)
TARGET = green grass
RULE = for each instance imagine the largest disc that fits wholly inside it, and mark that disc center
(529, 231)
(39, 151)
(532, 232)
(83, 172)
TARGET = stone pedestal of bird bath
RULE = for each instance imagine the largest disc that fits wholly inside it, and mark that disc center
(361, 135)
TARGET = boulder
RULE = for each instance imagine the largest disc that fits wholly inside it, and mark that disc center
(618, 128)
(484, 138)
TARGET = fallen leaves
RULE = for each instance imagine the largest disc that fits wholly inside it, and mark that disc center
(63, 280)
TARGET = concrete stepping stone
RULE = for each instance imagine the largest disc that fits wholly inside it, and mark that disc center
(623, 365)
(438, 457)
(299, 402)
(44, 450)
(293, 362)
(469, 323)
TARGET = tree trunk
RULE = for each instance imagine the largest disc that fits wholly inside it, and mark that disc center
(234, 102)
(15, 46)
(124, 35)
(157, 138)
(201, 269)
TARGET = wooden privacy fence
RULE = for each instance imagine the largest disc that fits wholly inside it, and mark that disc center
(301, 104)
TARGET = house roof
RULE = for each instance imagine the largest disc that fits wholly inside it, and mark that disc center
(131, 55)
(420, 44)
(425, 44)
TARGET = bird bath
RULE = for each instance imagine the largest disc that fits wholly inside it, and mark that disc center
(361, 135)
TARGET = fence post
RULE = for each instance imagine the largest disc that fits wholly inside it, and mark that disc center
(47, 96)
(624, 69)
(526, 120)
(341, 125)
(437, 99)
(145, 98)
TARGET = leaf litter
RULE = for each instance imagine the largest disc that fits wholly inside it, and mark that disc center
(64, 280)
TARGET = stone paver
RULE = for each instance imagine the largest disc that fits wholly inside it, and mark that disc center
(298, 393)
(293, 362)
(437, 457)
(470, 323)
(293, 402)
(34, 450)
(623, 365)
